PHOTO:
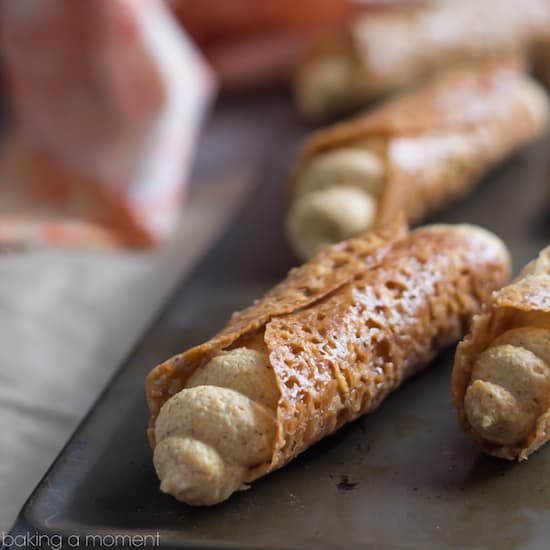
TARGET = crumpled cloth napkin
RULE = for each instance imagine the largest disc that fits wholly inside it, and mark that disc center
(106, 101)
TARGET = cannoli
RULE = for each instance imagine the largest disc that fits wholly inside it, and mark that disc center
(501, 376)
(413, 154)
(383, 51)
(323, 347)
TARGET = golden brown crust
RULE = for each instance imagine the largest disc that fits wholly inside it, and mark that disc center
(396, 48)
(524, 303)
(341, 358)
(393, 300)
(460, 124)
(439, 105)
(329, 270)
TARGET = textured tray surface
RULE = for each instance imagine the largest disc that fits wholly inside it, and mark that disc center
(403, 477)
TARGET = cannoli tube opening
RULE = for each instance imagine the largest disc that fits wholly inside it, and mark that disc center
(336, 198)
(211, 433)
(328, 84)
(510, 386)
(501, 377)
(324, 217)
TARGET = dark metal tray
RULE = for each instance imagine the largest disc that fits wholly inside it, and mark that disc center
(403, 477)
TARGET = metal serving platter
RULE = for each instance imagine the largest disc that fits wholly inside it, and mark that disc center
(403, 477)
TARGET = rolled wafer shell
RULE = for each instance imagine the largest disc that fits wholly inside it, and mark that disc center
(380, 52)
(519, 316)
(434, 143)
(346, 329)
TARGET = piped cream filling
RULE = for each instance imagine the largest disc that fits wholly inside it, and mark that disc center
(220, 425)
(510, 386)
(327, 84)
(336, 198)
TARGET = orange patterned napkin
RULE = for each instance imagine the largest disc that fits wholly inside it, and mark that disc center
(106, 100)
